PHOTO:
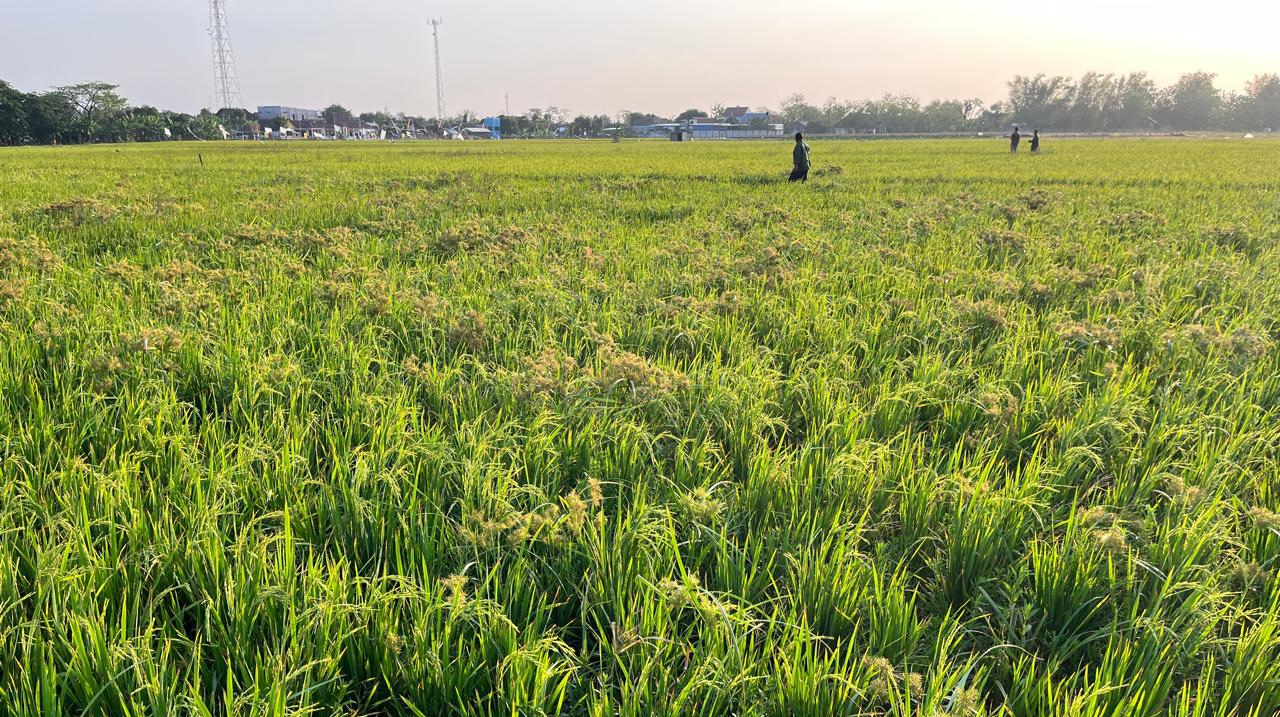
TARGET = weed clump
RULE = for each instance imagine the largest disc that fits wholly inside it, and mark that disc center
(1241, 343)
(1096, 516)
(27, 255)
(725, 304)
(1005, 241)
(618, 368)
(455, 590)
(1232, 238)
(768, 266)
(11, 291)
(475, 238)
(884, 676)
(1264, 519)
(1137, 222)
(623, 369)
(999, 406)
(470, 331)
(552, 373)
(688, 594)
(1036, 199)
(78, 212)
(984, 317)
(1182, 494)
(1112, 540)
(1248, 577)
(1089, 335)
(701, 506)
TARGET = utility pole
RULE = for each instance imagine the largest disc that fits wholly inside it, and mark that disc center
(508, 98)
(226, 83)
(435, 33)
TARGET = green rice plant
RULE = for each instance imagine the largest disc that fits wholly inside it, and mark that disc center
(582, 428)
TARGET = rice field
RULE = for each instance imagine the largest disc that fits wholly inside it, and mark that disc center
(640, 429)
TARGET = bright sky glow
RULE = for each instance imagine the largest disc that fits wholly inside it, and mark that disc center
(606, 55)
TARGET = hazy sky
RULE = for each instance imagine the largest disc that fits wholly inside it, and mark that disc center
(603, 56)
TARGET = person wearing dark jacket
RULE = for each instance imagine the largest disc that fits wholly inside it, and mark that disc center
(800, 160)
(1015, 139)
(1035, 142)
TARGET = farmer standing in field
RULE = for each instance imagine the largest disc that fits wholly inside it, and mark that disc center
(800, 160)
(1015, 139)
(1035, 142)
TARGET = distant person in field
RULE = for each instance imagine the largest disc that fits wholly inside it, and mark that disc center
(1015, 139)
(800, 160)
(1035, 142)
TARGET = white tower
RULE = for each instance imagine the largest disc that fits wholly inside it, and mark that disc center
(226, 84)
(435, 33)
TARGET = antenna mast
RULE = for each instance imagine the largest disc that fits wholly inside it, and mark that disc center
(226, 83)
(435, 33)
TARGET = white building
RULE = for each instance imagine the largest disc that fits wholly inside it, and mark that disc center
(295, 114)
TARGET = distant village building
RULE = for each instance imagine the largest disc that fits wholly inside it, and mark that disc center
(336, 129)
(736, 123)
(744, 115)
(274, 113)
(733, 130)
(478, 133)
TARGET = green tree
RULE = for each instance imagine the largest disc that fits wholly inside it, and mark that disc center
(382, 119)
(1193, 102)
(142, 124)
(645, 118)
(13, 115)
(179, 124)
(237, 119)
(512, 126)
(995, 116)
(689, 114)
(51, 119)
(1262, 102)
(1134, 102)
(95, 103)
(1092, 101)
(797, 109)
(893, 113)
(205, 125)
(943, 116)
(335, 114)
(1042, 102)
(834, 110)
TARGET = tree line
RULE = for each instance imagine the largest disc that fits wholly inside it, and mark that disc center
(95, 112)
(1096, 102)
